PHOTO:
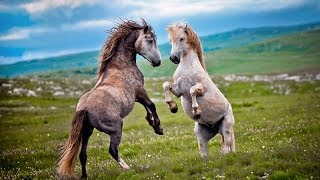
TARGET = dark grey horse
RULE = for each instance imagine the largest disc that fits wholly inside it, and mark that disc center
(119, 85)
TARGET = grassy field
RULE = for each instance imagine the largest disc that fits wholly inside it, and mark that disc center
(277, 133)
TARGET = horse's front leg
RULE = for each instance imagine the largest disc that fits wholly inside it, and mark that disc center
(173, 88)
(196, 90)
(152, 116)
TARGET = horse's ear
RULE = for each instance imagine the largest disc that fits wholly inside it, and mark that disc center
(146, 29)
(186, 30)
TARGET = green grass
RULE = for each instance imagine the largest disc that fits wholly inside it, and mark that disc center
(277, 135)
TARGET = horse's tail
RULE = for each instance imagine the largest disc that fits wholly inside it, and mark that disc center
(70, 150)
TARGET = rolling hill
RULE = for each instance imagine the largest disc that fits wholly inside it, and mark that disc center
(294, 52)
(229, 52)
(244, 36)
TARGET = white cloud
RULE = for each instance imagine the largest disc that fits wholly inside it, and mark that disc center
(15, 35)
(25, 33)
(3, 7)
(44, 5)
(172, 8)
(8, 60)
(22, 33)
(30, 55)
(87, 24)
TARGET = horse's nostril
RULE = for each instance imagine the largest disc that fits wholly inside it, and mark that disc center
(157, 63)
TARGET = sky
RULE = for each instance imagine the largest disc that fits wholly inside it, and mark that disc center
(32, 29)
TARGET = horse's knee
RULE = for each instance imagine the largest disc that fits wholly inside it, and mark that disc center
(197, 90)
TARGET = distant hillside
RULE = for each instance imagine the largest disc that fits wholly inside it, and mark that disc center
(86, 63)
(290, 53)
(294, 52)
(80, 60)
(244, 36)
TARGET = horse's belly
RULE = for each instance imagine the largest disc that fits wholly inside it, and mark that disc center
(212, 109)
(110, 102)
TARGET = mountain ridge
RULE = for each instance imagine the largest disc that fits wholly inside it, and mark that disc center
(211, 43)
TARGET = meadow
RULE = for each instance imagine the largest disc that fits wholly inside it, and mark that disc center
(277, 131)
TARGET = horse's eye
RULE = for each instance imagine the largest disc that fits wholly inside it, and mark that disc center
(181, 39)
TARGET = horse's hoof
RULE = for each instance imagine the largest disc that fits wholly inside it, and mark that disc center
(174, 109)
(197, 116)
(84, 176)
(158, 130)
(196, 113)
(126, 168)
(172, 106)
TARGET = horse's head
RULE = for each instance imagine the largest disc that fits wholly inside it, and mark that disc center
(146, 45)
(183, 39)
(178, 39)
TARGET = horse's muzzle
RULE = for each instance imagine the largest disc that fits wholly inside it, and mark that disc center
(174, 59)
(156, 64)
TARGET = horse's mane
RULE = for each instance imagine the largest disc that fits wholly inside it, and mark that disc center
(117, 35)
(192, 39)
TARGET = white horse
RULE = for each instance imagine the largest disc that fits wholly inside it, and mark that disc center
(200, 98)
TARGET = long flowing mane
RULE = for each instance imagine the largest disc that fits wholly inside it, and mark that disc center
(117, 35)
(192, 39)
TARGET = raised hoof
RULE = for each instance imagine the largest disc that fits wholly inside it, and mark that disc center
(196, 113)
(174, 109)
(158, 130)
(197, 116)
(172, 106)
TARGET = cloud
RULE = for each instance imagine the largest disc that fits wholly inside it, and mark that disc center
(172, 8)
(30, 55)
(44, 5)
(3, 7)
(15, 35)
(25, 33)
(8, 60)
(22, 33)
(87, 24)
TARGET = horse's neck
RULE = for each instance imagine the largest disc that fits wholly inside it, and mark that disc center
(190, 62)
(124, 58)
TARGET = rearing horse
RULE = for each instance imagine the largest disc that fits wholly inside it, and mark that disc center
(200, 98)
(119, 85)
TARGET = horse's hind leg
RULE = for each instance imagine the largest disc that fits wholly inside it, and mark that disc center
(226, 130)
(87, 132)
(204, 134)
(113, 127)
(196, 90)
(115, 139)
